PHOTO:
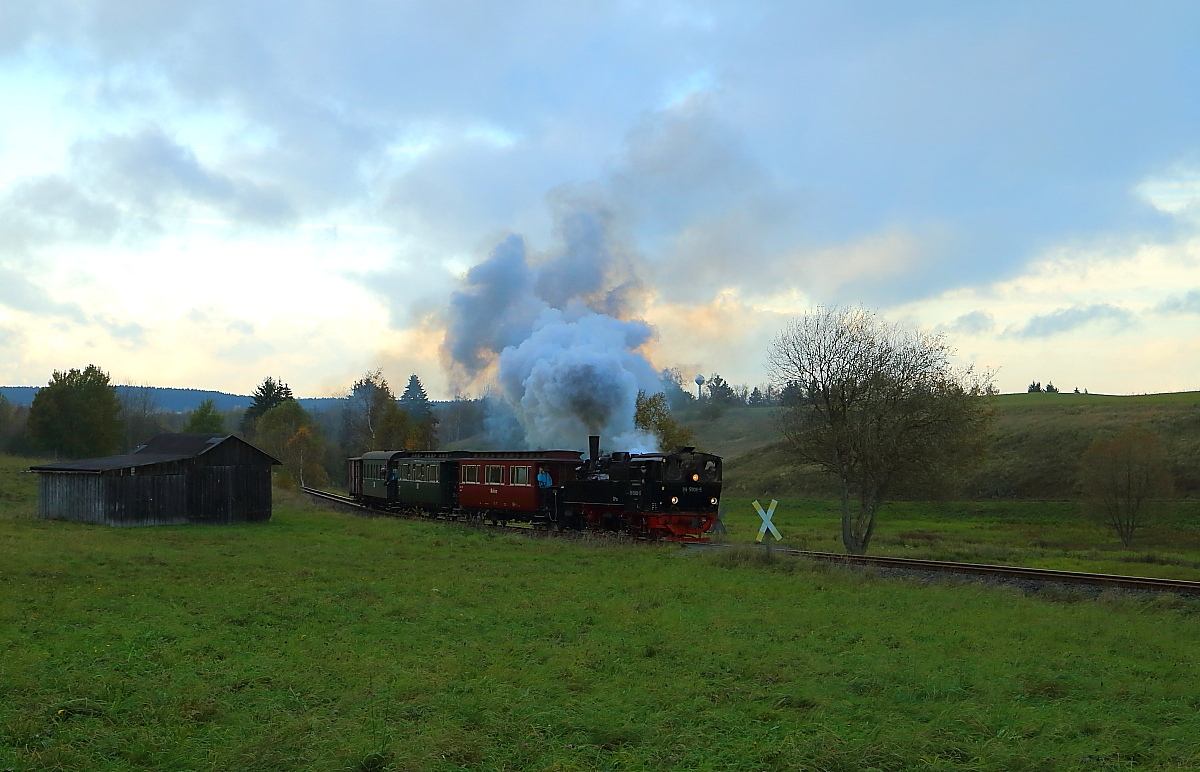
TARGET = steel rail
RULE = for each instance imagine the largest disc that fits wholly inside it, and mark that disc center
(1118, 581)
(349, 503)
(1006, 572)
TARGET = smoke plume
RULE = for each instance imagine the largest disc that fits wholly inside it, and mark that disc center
(557, 329)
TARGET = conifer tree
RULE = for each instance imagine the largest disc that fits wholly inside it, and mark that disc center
(270, 393)
(414, 400)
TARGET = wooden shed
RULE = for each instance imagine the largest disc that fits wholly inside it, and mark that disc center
(171, 480)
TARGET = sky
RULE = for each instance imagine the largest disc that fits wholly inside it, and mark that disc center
(202, 194)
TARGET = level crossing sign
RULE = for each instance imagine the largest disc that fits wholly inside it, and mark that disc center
(718, 528)
(766, 518)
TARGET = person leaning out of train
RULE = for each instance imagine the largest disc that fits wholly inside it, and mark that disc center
(544, 479)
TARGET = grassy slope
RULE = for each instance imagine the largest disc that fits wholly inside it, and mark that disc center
(18, 488)
(1040, 437)
(323, 641)
(1037, 442)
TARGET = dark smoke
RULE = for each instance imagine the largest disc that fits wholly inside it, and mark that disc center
(558, 332)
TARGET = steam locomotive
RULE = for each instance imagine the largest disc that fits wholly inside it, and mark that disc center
(652, 495)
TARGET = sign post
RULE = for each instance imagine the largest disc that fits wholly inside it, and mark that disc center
(766, 518)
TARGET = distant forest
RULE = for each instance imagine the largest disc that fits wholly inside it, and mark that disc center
(173, 400)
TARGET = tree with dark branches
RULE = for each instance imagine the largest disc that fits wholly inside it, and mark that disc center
(372, 418)
(1125, 480)
(885, 411)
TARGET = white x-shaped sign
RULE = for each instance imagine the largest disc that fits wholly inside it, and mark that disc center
(766, 518)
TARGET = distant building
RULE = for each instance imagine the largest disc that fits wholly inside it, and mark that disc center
(171, 480)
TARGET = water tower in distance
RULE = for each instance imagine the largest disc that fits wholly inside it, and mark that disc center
(699, 387)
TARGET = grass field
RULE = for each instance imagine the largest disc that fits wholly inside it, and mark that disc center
(329, 642)
(1039, 534)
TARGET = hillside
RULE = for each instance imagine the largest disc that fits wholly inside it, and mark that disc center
(1036, 443)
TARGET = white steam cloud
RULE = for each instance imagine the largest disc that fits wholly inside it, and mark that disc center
(558, 331)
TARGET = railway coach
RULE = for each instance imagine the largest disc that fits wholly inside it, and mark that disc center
(500, 486)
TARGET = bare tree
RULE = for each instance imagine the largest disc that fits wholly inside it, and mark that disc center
(884, 411)
(1125, 480)
(461, 418)
(141, 416)
(372, 419)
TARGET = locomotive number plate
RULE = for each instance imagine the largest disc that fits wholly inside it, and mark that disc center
(692, 490)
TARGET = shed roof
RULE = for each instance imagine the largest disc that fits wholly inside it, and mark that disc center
(161, 449)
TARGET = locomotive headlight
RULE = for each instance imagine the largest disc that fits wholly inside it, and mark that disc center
(713, 501)
(674, 499)
(695, 478)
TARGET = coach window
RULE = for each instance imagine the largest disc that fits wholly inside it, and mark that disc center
(493, 475)
(431, 472)
(518, 475)
(470, 474)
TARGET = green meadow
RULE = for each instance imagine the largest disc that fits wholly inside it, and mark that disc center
(1039, 534)
(325, 641)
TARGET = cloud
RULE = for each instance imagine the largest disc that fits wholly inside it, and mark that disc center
(1067, 319)
(974, 323)
(149, 171)
(52, 209)
(1188, 303)
(130, 334)
(19, 293)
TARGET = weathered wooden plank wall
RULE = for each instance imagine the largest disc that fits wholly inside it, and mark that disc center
(201, 494)
(77, 497)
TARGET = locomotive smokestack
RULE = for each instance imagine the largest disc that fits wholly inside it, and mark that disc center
(594, 446)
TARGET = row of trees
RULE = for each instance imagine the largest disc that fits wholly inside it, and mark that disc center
(82, 413)
(1036, 387)
(79, 413)
(314, 446)
(714, 390)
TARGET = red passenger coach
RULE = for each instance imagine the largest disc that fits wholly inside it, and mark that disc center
(504, 485)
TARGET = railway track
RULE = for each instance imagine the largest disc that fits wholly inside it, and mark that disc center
(1009, 573)
(349, 504)
(1001, 573)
